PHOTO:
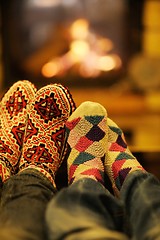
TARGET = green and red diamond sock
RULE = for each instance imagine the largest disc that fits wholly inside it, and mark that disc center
(119, 160)
(87, 137)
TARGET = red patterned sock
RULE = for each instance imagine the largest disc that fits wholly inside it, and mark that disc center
(86, 129)
(44, 144)
(13, 116)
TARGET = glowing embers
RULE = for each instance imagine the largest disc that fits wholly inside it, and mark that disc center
(89, 54)
(79, 29)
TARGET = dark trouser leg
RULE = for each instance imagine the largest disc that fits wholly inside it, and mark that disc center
(141, 196)
(84, 210)
(23, 203)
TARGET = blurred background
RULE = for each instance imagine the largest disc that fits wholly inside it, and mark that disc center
(106, 51)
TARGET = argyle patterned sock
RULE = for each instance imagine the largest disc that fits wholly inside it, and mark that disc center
(119, 161)
(44, 142)
(13, 116)
(87, 138)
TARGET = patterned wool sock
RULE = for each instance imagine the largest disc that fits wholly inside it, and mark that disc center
(119, 161)
(13, 116)
(44, 143)
(87, 138)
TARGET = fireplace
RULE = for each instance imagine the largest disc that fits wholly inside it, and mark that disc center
(74, 42)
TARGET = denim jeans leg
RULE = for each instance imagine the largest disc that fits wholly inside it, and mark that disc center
(84, 210)
(23, 203)
(141, 196)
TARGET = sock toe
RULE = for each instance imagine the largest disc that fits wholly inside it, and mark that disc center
(88, 108)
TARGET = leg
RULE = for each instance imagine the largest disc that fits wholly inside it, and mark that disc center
(13, 115)
(85, 210)
(86, 207)
(139, 190)
(119, 161)
(44, 145)
(25, 195)
(23, 204)
(141, 196)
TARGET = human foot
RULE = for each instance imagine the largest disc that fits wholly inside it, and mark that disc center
(13, 116)
(119, 161)
(87, 137)
(44, 144)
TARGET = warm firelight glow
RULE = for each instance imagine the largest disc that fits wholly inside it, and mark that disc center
(79, 49)
(50, 69)
(88, 72)
(90, 53)
(117, 60)
(105, 44)
(88, 67)
(106, 63)
(79, 29)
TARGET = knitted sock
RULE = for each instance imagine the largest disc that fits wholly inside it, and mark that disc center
(13, 116)
(87, 138)
(44, 144)
(119, 161)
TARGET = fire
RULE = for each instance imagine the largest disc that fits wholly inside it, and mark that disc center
(90, 51)
(79, 29)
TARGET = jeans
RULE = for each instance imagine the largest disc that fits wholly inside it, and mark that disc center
(84, 210)
(24, 198)
(141, 197)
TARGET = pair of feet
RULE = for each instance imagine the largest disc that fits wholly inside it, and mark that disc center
(98, 147)
(32, 128)
(32, 135)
